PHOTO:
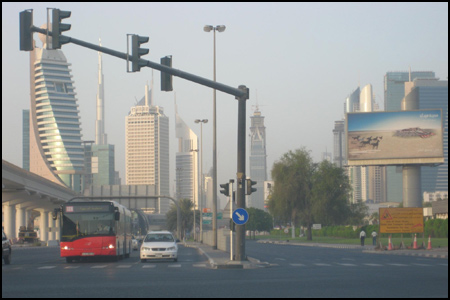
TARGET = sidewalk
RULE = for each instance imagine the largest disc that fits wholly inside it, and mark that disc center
(219, 259)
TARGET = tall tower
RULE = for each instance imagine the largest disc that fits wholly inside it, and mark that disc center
(100, 135)
(56, 150)
(187, 171)
(394, 92)
(147, 149)
(258, 157)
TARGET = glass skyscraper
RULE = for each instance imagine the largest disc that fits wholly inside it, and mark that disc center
(56, 150)
(394, 92)
(258, 159)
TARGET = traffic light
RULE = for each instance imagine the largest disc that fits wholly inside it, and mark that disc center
(58, 28)
(166, 79)
(249, 184)
(226, 189)
(26, 35)
(137, 51)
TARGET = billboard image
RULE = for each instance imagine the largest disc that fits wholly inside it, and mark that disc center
(402, 137)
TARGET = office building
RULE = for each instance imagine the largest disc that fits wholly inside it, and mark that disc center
(26, 139)
(258, 159)
(56, 150)
(394, 92)
(187, 168)
(147, 148)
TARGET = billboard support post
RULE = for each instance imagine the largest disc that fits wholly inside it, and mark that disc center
(412, 186)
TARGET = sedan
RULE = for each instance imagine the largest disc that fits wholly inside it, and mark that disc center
(159, 245)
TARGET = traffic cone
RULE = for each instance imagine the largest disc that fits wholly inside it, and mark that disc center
(415, 242)
(390, 244)
(429, 243)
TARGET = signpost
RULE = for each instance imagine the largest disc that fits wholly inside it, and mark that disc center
(240, 216)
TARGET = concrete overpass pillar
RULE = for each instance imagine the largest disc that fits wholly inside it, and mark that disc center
(20, 218)
(57, 229)
(51, 226)
(9, 215)
(43, 225)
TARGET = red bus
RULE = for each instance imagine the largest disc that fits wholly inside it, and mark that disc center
(94, 228)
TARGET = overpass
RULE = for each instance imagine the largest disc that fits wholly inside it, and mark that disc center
(22, 192)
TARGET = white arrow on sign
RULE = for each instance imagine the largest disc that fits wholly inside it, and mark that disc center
(241, 217)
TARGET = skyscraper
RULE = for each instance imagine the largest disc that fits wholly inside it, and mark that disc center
(187, 171)
(56, 150)
(258, 157)
(394, 92)
(147, 148)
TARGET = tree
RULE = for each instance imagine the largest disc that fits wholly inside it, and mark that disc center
(187, 218)
(258, 220)
(331, 192)
(292, 193)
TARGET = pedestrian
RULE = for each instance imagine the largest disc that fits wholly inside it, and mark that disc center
(374, 238)
(362, 235)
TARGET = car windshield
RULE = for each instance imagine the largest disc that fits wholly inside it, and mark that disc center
(158, 237)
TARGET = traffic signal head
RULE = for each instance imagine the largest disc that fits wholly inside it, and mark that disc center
(166, 79)
(58, 28)
(137, 51)
(226, 189)
(250, 189)
(26, 35)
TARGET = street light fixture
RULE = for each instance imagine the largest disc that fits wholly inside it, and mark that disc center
(219, 28)
(201, 175)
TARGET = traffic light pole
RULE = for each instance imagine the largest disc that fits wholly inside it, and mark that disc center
(241, 94)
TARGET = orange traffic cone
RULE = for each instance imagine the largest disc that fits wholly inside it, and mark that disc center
(415, 242)
(429, 243)
(390, 244)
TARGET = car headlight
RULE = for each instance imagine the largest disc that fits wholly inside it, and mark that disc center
(171, 249)
(145, 249)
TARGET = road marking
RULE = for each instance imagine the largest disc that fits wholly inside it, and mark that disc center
(124, 266)
(422, 265)
(323, 265)
(297, 265)
(71, 267)
(347, 265)
(46, 268)
(148, 266)
(174, 266)
(199, 265)
(373, 265)
(398, 265)
(99, 267)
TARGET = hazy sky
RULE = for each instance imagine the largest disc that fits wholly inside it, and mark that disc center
(300, 61)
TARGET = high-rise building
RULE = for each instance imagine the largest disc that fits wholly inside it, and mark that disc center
(147, 149)
(56, 150)
(187, 169)
(394, 92)
(258, 159)
(339, 157)
(100, 156)
(433, 94)
(26, 139)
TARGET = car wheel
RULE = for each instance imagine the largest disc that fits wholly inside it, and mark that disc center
(7, 259)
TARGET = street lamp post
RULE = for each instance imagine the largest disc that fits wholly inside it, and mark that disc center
(201, 175)
(193, 196)
(220, 28)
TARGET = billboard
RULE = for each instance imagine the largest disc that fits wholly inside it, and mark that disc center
(395, 138)
(401, 220)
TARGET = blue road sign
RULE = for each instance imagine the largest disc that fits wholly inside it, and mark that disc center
(240, 216)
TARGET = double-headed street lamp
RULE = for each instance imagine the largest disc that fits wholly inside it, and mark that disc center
(219, 28)
(201, 175)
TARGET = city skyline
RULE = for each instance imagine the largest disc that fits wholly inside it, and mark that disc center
(297, 61)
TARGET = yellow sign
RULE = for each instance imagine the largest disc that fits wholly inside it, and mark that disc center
(401, 220)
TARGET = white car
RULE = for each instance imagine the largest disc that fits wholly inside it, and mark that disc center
(159, 245)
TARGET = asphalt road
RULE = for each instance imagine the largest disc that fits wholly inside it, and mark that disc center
(294, 272)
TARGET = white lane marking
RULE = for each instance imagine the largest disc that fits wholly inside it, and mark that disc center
(199, 265)
(323, 265)
(71, 267)
(99, 267)
(124, 266)
(148, 266)
(399, 265)
(347, 265)
(46, 267)
(174, 266)
(422, 265)
(373, 265)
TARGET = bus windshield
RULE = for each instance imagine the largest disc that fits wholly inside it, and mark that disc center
(80, 225)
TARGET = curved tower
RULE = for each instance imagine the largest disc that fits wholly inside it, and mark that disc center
(56, 150)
